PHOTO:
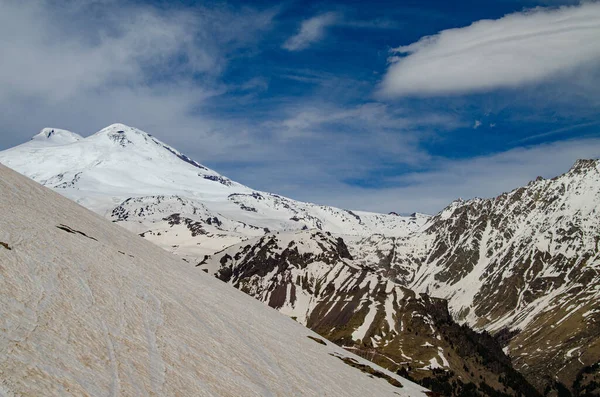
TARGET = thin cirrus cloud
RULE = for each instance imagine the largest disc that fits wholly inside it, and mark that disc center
(429, 191)
(311, 31)
(518, 49)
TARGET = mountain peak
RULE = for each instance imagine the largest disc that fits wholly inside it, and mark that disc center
(56, 135)
(119, 128)
(124, 135)
(584, 165)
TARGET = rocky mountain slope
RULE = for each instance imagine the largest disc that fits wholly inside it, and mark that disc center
(524, 265)
(153, 189)
(311, 277)
(88, 308)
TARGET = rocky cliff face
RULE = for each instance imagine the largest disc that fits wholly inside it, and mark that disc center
(524, 264)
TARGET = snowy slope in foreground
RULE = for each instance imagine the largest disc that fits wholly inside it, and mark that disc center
(87, 308)
(140, 182)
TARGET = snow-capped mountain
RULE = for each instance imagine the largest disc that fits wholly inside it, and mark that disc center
(525, 265)
(88, 308)
(140, 182)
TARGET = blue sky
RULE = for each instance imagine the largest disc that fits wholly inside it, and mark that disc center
(380, 105)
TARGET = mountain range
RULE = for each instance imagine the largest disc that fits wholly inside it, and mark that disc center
(488, 296)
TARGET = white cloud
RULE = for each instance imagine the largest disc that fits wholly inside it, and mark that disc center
(477, 124)
(512, 51)
(311, 31)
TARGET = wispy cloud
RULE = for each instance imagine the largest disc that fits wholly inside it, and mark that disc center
(512, 51)
(84, 65)
(311, 31)
(380, 23)
(374, 126)
(558, 131)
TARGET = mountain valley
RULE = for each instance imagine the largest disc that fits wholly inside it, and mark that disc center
(494, 296)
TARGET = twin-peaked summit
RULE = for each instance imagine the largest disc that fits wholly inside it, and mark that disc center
(117, 162)
(115, 132)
